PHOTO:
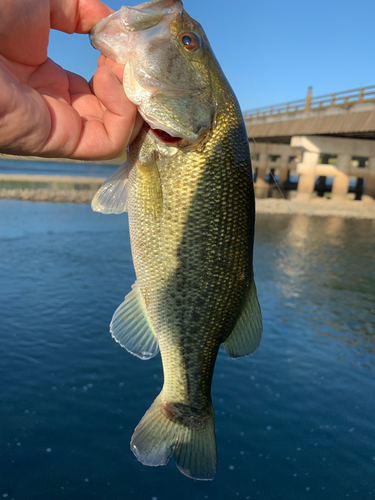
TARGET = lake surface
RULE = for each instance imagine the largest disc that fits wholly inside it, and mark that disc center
(32, 167)
(294, 421)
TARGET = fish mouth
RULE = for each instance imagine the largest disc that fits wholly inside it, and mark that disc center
(165, 137)
(162, 135)
(165, 128)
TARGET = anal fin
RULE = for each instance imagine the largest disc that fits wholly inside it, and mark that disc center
(131, 326)
(246, 335)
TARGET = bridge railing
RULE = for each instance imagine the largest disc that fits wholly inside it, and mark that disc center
(310, 103)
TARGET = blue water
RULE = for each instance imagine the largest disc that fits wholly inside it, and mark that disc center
(294, 421)
(55, 168)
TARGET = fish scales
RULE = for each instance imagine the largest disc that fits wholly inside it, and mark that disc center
(191, 212)
(203, 279)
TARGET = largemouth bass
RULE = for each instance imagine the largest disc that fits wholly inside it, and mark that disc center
(187, 187)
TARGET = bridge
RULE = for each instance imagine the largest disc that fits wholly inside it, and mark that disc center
(327, 142)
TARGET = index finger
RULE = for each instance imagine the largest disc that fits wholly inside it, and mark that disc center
(77, 16)
(25, 26)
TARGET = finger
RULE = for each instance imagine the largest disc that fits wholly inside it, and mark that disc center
(110, 62)
(110, 136)
(106, 61)
(77, 84)
(24, 31)
(137, 127)
(111, 94)
(101, 60)
(25, 120)
(77, 16)
(88, 106)
(118, 70)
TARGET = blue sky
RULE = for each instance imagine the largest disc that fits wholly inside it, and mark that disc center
(271, 51)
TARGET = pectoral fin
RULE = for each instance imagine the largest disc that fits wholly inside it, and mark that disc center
(131, 326)
(113, 195)
(246, 335)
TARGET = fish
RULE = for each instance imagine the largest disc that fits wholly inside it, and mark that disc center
(187, 187)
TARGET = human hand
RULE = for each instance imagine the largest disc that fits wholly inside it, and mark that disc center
(47, 111)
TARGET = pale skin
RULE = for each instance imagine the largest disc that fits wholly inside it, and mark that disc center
(46, 110)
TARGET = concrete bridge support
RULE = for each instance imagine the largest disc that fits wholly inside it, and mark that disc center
(284, 173)
(312, 147)
(308, 172)
(271, 157)
(369, 188)
(341, 179)
(261, 186)
(303, 156)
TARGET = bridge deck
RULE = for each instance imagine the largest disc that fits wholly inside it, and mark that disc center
(346, 114)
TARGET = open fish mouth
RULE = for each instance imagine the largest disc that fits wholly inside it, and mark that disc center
(162, 135)
(165, 137)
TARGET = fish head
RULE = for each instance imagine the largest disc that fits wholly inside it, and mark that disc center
(168, 62)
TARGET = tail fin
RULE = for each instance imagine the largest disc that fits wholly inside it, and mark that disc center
(158, 436)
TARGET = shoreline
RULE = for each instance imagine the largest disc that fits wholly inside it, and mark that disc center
(45, 159)
(321, 207)
(47, 194)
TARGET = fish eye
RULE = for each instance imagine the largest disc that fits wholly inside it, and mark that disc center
(189, 41)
